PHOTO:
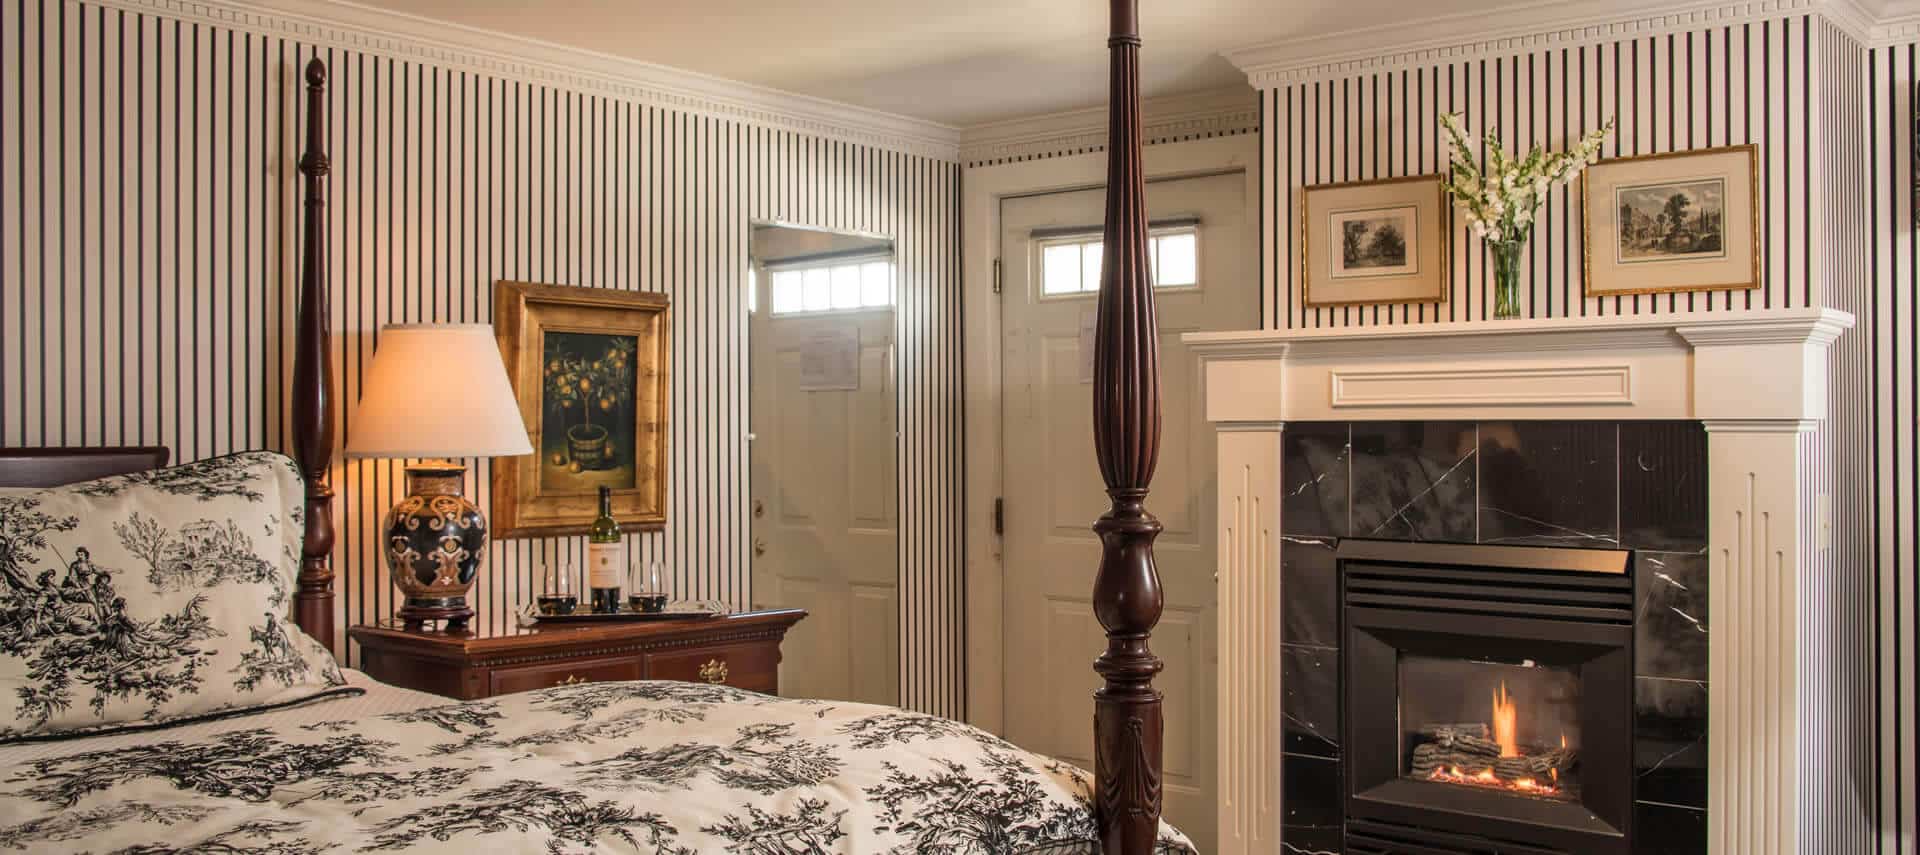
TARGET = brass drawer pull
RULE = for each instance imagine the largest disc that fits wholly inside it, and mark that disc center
(715, 671)
(571, 680)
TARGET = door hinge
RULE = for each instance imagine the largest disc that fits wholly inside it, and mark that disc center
(996, 276)
(999, 515)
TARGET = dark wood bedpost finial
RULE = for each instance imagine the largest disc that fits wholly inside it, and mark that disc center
(1126, 425)
(311, 409)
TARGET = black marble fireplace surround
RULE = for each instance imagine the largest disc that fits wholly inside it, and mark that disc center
(1631, 485)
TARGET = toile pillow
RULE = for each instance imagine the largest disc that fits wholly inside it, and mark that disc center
(154, 598)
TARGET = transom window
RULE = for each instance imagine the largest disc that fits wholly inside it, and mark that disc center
(1071, 264)
(831, 286)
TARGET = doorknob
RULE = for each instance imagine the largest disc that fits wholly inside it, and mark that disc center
(759, 546)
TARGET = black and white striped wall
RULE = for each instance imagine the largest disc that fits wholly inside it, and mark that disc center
(1879, 462)
(1736, 83)
(149, 241)
(1835, 125)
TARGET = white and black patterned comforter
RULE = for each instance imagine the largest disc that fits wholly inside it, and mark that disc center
(603, 767)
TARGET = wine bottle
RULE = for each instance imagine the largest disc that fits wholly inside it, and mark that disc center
(606, 561)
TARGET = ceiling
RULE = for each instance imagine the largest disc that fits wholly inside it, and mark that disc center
(957, 62)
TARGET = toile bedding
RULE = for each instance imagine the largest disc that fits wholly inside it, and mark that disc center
(646, 767)
(154, 598)
(154, 699)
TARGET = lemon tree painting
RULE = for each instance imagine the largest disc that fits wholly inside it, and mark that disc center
(587, 417)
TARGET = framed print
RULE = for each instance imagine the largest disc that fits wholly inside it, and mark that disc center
(1681, 221)
(1380, 241)
(589, 370)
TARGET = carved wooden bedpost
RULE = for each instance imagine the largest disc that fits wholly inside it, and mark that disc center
(1126, 425)
(311, 408)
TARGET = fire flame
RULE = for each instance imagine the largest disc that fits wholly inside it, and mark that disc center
(1486, 778)
(1506, 735)
(1505, 717)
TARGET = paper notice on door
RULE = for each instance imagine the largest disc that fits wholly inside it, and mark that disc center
(830, 360)
(1086, 346)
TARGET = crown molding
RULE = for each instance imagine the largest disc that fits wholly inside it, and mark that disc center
(355, 27)
(1898, 31)
(1519, 29)
(1897, 24)
(1163, 119)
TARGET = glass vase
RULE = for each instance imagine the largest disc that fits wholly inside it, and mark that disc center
(1506, 278)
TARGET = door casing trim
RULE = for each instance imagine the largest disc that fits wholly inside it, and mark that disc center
(982, 189)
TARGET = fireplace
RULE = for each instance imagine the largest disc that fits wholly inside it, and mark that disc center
(1488, 698)
(1744, 546)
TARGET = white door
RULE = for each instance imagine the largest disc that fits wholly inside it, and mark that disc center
(1053, 491)
(825, 519)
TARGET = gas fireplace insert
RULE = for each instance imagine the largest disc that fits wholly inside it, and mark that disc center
(1487, 698)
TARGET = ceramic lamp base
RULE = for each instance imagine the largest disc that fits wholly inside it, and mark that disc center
(436, 541)
(415, 613)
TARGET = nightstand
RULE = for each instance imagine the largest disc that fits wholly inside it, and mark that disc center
(741, 650)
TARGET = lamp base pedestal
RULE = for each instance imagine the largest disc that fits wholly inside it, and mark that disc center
(436, 541)
(416, 613)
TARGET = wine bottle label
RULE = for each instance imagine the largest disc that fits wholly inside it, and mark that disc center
(604, 563)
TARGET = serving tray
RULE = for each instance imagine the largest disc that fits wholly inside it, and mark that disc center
(530, 613)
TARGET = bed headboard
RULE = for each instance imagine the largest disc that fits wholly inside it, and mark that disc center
(52, 467)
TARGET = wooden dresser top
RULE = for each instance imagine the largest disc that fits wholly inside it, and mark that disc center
(516, 640)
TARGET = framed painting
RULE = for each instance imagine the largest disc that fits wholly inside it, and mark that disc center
(1370, 242)
(1678, 221)
(589, 370)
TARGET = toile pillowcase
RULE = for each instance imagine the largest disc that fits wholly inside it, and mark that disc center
(154, 598)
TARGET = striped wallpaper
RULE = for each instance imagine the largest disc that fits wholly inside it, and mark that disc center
(1727, 85)
(149, 242)
(1880, 460)
(1839, 619)
(1836, 128)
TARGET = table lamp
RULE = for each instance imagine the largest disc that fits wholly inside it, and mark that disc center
(439, 392)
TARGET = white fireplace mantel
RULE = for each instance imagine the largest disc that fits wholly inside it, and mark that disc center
(1758, 382)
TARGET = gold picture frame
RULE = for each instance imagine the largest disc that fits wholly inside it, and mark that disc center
(1411, 210)
(589, 369)
(1718, 251)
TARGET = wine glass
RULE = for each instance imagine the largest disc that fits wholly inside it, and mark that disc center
(644, 590)
(556, 595)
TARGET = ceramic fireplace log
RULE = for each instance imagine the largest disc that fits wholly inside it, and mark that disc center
(1561, 759)
(1513, 768)
(1463, 740)
(1430, 757)
(1446, 732)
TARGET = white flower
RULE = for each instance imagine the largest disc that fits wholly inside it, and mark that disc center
(1501, 194)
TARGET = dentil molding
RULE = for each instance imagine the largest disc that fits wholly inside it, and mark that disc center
(1522, 29)
(381, 32)
(1164, 119)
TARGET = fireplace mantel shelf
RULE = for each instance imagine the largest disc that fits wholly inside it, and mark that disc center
(1757, 380)
(1767, 364)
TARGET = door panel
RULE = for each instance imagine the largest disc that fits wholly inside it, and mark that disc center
(1053, 489)
(825, 523)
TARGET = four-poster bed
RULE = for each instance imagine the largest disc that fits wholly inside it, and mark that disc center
(1124, 794)
(1128, 725)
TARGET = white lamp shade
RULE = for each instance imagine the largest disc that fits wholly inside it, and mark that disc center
(437, 390)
